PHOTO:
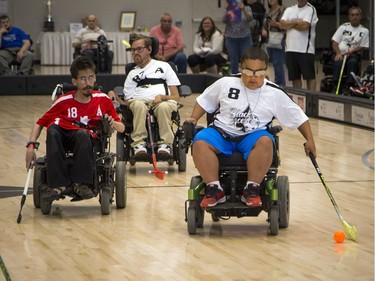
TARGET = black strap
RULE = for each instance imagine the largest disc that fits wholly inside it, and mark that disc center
(153, 81)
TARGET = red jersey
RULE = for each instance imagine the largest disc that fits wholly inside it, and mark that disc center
(69, 113)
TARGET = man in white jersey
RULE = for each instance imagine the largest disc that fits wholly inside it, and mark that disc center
(243, 108)
(151, 83)
(350, 39)
(300, 21)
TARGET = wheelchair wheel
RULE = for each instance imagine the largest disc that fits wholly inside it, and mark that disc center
(199, 212)
(105, 200)
(37, 183)
(45, 207)
(284, 200)
(192, 220)
(273, 217)
(214, 217)
(120, 147)
(120, 184)
(181, 155)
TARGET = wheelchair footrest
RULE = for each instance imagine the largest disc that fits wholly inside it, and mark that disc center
(147, 157)
(237, 209)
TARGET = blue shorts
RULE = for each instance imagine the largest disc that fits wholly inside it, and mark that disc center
(226, 147)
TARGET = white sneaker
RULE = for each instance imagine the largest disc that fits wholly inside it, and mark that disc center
(164, 148)
(140, 149)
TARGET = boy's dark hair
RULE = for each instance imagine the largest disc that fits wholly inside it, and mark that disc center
(81, 63)
(4, 17)
(255, 54)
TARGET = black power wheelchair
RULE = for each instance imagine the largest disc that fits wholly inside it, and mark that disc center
(109, 175)
(274, 190)
(179, 148)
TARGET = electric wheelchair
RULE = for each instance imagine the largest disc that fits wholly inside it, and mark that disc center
(109, 174)
(179, 149)
(274, 190)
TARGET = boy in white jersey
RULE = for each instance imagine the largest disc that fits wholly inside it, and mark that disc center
(68, 124)
(243, 107)
(350, 39)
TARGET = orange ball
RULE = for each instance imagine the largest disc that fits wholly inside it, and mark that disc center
(339, 236)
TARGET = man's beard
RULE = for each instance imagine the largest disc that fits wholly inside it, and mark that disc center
(137, 60)
(87, 91)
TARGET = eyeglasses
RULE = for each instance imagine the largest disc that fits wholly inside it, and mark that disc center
(136, 50)
(250, 72)
(87, 79)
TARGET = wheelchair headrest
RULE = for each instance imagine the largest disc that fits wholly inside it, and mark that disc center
(65, 88)
(154, 44)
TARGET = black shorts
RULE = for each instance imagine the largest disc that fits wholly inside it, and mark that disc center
(300, 64)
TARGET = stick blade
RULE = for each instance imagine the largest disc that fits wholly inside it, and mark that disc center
(350, 231)
(159, 174)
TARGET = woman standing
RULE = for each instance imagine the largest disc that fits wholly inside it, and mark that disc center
(208, 46)
(275, 39)
(238, 31)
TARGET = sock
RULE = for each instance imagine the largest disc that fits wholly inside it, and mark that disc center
(217, 183)
(251, 182)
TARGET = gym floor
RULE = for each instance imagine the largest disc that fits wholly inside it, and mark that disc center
(148, 240)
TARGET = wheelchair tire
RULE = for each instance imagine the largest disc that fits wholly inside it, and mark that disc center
(105, 200)
(215, 217)
(121, 189)
(192, 220)
(181, 155)
(45, 207)
(37, 183)
(195, 204)
(284, 200)
(120, 147)
(273, 217)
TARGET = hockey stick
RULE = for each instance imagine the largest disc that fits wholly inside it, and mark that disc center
(4, 270)
(341, 72)
(350, 230)
(159, 174)
(24, 194)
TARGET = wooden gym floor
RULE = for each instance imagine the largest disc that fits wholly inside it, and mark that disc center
(149, 241)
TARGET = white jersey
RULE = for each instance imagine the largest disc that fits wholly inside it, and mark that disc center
(301, 41)
(349, 37)
(153, 70)
(239, 110)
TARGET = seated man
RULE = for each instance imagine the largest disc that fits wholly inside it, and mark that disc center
(349, 40)
(64, 122)
(151, 83)
(14, 44)
(243, 107)
(171, 44)
(83, 40)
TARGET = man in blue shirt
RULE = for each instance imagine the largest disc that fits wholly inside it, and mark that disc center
(14, 45)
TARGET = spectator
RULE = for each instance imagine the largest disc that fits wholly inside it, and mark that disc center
(208, 46)
(237, 31)
(300, 21)
(84, 40)
(171, 44)
(14, 44)
(275, 39)
(243, 108)
(151, 83)
(258, 13)
(349, 40)
(69, 122)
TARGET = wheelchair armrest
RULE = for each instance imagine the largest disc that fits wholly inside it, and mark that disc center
(184, 91)
(189, 131)
(119, 90)
(275, 130)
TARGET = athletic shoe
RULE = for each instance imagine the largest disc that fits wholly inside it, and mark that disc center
(250, 196)
(140, 149)
(84, 191)
(213, 196)
(164, 148)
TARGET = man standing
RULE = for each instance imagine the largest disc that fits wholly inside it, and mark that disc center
(349, 40)
(171, 44)
(14, 44)
(300, 21)
(84, 40)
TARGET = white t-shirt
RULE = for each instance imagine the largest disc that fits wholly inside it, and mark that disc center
(240, 110)
(349, 37)
(301, 41)
(154, 70)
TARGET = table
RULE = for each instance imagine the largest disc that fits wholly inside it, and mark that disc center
(56, 48)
